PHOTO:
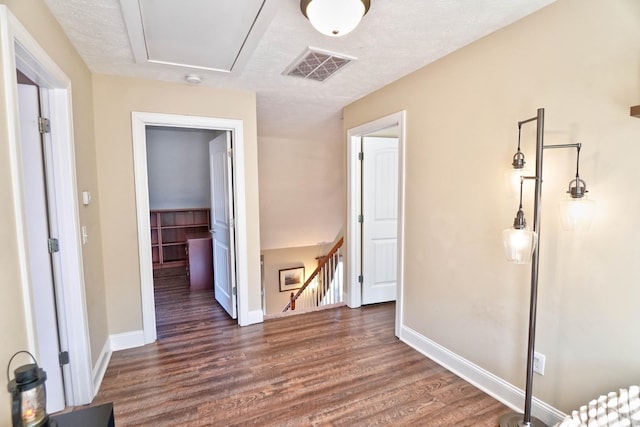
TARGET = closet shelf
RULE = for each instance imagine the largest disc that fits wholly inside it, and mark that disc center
(169, 230)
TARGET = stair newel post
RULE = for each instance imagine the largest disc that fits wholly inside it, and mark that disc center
(292, 301)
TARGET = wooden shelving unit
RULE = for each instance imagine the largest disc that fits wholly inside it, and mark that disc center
(169, 230)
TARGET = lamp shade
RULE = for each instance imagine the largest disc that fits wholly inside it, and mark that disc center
(334, 18)
(577, 213)
(519, 244)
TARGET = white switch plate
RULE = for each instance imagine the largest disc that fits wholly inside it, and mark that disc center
(86, 198)
(85, 236)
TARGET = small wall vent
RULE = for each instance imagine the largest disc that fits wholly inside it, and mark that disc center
(316, 64)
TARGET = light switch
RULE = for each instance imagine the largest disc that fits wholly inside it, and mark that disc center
(85, 236)
(86, 198)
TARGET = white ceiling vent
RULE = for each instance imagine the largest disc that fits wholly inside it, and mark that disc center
(316, 64)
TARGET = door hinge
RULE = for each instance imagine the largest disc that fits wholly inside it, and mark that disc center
(360, 218)
(44, 125)
(360, 279)
(63, 358)
(54, 245)
(230, 152)
(232, 222)
(361, 156)
(235, 290)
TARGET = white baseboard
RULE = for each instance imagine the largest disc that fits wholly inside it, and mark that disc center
(126, 340)
(101, 366)
(494, 386)
(255, 316)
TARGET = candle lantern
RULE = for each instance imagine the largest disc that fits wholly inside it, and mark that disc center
(28, 394)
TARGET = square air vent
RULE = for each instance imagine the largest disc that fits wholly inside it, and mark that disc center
(316, 64)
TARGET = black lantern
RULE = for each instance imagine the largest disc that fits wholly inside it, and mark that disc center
(28, 394)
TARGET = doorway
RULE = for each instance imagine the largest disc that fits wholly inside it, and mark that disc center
(191, 203)
(355, 252)
(43, 259)
(140, 121)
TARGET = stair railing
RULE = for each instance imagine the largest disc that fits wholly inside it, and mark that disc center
(324, 286)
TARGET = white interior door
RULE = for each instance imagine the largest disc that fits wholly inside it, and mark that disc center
(380, 219)
(38, 233)
(224, 272)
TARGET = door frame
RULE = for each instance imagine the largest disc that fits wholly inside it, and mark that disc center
(354, 201)
(19, 50)
(139, 122)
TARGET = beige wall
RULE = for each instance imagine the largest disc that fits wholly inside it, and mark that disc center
(580, 60)
(301, 191)
(34, 15)
(114, 100)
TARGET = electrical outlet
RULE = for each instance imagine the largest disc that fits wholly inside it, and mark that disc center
(538, 362)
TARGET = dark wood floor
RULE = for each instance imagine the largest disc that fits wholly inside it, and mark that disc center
(339, 367)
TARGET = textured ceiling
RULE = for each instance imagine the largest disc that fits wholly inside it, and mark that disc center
(395, 38)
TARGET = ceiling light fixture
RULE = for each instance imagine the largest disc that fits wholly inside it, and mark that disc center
(334, 18)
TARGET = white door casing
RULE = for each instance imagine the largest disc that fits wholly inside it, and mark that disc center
(37, 230)
(222, 233)
(353, 229)
(18, 50)
(139, 122)
(380, 219)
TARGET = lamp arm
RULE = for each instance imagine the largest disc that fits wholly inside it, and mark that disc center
(520, 123)
(576, 145)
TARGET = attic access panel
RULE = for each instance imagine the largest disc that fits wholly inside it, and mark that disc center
(200, 34)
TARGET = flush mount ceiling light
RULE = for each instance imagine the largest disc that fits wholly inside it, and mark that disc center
(334, 18)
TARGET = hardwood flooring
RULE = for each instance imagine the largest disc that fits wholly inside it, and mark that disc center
(338, 367)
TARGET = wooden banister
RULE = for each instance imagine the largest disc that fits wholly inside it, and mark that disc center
(326, 260)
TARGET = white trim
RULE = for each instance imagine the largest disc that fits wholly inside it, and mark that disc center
(253, 316)
(354, 290)
(13, 130)
(144, 228)
(126, 340)
(21, 51)
(354, 172)
(101, 365)
(139, 121)
(494, 386)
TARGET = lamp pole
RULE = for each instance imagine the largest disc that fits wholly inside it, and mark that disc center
(514, 420)
(535, 263)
